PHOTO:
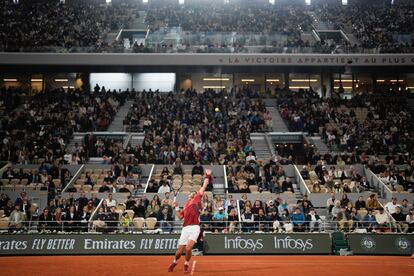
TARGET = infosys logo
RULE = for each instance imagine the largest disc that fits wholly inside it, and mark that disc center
(243, 244)
(293, 244)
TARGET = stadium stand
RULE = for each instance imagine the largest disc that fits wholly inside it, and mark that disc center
(253, 123)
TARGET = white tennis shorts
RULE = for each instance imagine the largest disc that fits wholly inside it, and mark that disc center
(189, 232)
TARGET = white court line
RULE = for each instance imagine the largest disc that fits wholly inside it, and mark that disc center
(193, 268)
(313, 263)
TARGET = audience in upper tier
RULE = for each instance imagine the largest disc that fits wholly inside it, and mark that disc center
(77, 25)
(49, 25)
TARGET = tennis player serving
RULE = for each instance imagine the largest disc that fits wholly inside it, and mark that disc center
(191, 226)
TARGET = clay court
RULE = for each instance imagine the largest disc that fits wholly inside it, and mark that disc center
(208, 265)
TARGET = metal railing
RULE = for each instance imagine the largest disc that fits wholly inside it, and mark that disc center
(141, 225)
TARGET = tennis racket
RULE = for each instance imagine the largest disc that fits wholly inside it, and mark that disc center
(176, 187)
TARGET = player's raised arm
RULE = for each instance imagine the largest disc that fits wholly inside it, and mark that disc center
(207, 176)
(179, 213)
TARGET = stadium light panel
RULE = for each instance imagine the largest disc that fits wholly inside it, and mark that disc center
(304, 80)
(273, 80)
(216, 79)
(36, 80)
(145, 1)
(247, 80)
(272, 2)
(344, 2)
(308, 2)
(61, 80)
(10, 80)
(181, 2)
(108, 2)
(214, 87)
(226, 1)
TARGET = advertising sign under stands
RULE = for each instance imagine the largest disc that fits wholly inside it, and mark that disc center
(381, 244)
(85, 244)
(267, 244)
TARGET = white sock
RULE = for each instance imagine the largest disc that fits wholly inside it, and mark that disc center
(175, 261)
(186, 263)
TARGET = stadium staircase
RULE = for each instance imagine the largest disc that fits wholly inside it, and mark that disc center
(118, 122)
(261, 146)
(318, 143)
(278, 124)
(139, 23)
(136, 139)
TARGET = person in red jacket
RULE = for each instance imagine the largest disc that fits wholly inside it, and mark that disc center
(191, 227)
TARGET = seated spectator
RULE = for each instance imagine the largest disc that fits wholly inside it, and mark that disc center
(84, 215)
(383, 221)
(372, 202)
(206, 220)
(344, 200)
(405, 209)
(112, 220)
(164, 187)
(287, 185)
(165, 220)
(71, 220)
(370, 221)
(104, 188)
(364, 185)
(219, 220)
(58, 220)
(298, 219)
(360, 203)
(344, 220)
(16, 219)
(88, 179)
(391, 206)
(45, 221)
(410, 220)
(152, 209)
(152, 186)
(261, 221)
(313, 221)
(400, 220)
(247, 220)
(110, 202)
(232, 221)
(197, 169)
(336, 210)
(99, 224)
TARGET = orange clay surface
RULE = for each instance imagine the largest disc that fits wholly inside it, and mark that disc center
(207, 265)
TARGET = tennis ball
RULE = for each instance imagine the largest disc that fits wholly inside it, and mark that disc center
(217, 109)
